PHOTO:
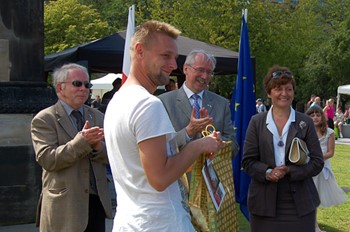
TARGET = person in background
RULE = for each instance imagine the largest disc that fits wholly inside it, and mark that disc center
(346, 120)
(192, 107)
(141, 143)
(347, 114)
(260, 107)
(338, 120)
(282, 196)
(171, 86)
(108, 95)
(159, 90)
(317, 102)
(96, 102)
(328, 190)
(329, 112)
(69, 146)
(312, 100)
(267, 106)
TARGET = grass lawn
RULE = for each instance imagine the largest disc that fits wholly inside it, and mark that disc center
(333, 219)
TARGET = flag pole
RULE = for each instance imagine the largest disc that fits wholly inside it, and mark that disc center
(245, 13)
(242, 107)
(129, 32)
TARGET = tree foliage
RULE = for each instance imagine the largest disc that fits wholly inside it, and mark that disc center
(327, 67)
(68, 23)
(311, 37)
(114, 12)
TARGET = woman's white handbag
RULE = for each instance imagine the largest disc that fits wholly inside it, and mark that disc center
(298, 153)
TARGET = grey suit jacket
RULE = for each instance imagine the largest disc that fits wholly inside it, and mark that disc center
(63, 154)
(259, 156)
(179, 110)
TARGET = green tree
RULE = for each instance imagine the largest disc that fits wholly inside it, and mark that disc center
(327, 66)
(300, 36)
(68, 23)
(115, 12)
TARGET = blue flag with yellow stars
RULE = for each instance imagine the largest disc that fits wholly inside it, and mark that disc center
(242, 109)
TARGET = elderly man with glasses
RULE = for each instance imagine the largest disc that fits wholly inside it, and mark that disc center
(192, 107)
(68, 140)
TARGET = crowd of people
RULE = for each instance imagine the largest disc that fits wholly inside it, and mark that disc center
(150, 143)
(335, 116)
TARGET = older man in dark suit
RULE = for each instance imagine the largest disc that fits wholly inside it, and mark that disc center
(68, 142)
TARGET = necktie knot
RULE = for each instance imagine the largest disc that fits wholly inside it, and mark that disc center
(79, 119)
(196, 104)
(195, 97)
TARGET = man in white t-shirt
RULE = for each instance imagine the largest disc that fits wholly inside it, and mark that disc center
(141, 143)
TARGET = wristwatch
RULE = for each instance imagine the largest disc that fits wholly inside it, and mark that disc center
(268, 171)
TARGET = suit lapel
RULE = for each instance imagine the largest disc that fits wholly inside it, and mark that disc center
(87, 115)
(207, 102)
(269, 139)
(183, 103)
(293, 130)
(65, 121)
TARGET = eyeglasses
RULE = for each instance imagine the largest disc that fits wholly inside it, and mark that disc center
(279, 74)
(202, 70)
(78, 83)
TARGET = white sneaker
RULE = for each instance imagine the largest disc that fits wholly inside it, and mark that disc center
(341, 135)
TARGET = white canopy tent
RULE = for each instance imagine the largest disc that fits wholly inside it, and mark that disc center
(104, 84)
(343, 89)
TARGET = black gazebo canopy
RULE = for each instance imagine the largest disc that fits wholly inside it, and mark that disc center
(105, 55)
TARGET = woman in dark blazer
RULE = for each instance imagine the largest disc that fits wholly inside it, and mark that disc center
(282, 195)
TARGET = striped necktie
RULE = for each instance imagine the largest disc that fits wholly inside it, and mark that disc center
(196, 105)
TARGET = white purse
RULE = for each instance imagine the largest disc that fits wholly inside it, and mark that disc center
(298, 152)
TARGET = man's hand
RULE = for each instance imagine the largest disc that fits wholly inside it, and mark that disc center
(94, 135)
(196, 125)
(219, 142)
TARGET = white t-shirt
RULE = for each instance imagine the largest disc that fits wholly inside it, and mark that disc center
(134, 115)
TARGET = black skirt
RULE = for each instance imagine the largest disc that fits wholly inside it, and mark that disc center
(287, 219)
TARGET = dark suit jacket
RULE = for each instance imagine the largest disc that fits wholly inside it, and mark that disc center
(63, 154)
(259, 156)
(179, 110)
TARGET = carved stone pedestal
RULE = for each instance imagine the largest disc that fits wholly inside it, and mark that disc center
(23, 92)
(20, 175)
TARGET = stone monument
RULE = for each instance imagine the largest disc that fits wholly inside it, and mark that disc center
(23, 92)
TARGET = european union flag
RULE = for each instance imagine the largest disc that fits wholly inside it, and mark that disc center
(242, 109)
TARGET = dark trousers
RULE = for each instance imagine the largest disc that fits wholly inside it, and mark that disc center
(330, 123)
(96, 215)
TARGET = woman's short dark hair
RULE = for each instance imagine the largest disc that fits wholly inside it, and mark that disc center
(277, 76)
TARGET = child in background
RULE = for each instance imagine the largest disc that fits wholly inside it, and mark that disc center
(329, 112)
(338, 119)
(328, 190)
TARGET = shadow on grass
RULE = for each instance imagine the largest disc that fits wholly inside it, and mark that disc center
(328, 228)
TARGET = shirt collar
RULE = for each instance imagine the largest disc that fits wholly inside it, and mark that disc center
(69, 109)
(269, 118)
(189, 93)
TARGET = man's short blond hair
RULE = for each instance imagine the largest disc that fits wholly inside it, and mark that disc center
(146, 32)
